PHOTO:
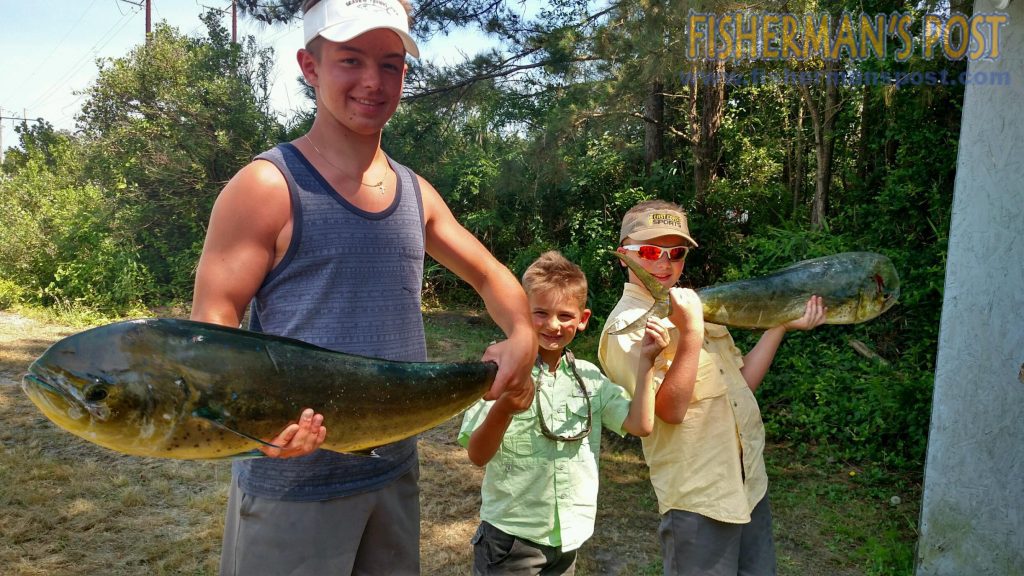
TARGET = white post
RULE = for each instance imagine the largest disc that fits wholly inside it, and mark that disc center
(972, 514)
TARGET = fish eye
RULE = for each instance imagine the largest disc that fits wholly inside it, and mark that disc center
(96, 393)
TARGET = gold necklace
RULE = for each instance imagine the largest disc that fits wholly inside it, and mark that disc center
(379, 185)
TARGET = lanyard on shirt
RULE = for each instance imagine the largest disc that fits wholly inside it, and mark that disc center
(586, 396)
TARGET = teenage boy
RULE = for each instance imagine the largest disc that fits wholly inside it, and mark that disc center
(705, 453)
(541, 478)
(326, 236)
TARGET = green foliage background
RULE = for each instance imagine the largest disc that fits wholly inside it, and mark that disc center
(112, 217)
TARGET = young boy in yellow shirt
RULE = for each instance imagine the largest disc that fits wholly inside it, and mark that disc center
(541, 479)
(705, 451)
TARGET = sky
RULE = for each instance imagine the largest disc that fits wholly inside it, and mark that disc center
(49, 48)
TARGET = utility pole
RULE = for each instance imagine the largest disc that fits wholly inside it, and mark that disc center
(234, 18)
(149, 14)
(25, 120)
(972, 521)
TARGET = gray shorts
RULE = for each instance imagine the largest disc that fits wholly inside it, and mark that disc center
(496, 553)
(692, 544)
(376, 533)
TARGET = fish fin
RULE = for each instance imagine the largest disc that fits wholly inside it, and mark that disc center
(246, 455)
(659, 292)
(368, 453)
(204, 416)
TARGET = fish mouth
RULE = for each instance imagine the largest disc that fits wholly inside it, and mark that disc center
(33, 381)
(889, 301)
(890, 298)
(50, 397)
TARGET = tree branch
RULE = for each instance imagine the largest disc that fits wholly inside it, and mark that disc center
(501, 72)
(671, 129)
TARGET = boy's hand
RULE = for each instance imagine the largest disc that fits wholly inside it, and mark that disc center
(814, 316)
(687, 312)
(515, 358)
(655, 339)
(298, 439)
(514, 400)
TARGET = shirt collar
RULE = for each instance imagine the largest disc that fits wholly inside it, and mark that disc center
(637, 292)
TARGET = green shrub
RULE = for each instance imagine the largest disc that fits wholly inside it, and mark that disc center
(10, 293)
(62, 244)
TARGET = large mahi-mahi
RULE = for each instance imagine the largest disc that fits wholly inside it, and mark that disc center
(190, 390)
(854, 286)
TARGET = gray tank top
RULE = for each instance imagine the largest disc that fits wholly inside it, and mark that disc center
(350, 281)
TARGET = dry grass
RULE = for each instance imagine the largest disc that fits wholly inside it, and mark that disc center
(68, 507)
(449, 504)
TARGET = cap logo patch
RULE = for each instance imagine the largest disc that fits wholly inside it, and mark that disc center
(373, 5)
(665, 219)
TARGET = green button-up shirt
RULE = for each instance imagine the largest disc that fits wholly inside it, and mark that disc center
(544, 490)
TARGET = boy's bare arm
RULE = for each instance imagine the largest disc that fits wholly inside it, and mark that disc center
(640, 420)
(486, 439)
(241, 243)
(757, 362)
(676, 389)
(240, 249)
(459, 251)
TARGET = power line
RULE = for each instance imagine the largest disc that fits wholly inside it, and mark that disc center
(92, 52)
(74, 70)
(21, 118)
(43, 62)
(2, 118)
(148, 5)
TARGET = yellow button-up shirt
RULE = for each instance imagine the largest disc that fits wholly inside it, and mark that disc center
(545, 490)
(712, 463)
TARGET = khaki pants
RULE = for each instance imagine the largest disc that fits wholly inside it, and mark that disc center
(693, 545)
(376, 533)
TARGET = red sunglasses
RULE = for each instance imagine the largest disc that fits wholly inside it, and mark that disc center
(652, 252)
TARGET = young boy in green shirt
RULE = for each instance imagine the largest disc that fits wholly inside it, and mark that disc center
(541, 479)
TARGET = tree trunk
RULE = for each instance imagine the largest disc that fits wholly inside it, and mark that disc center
(823, 121)
(799, 154)
(790, 144)
(866, 125)
(890, 143)
(654, 128)
(693, 121)
(706, 144)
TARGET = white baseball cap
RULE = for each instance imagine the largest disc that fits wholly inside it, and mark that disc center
(343, 20)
